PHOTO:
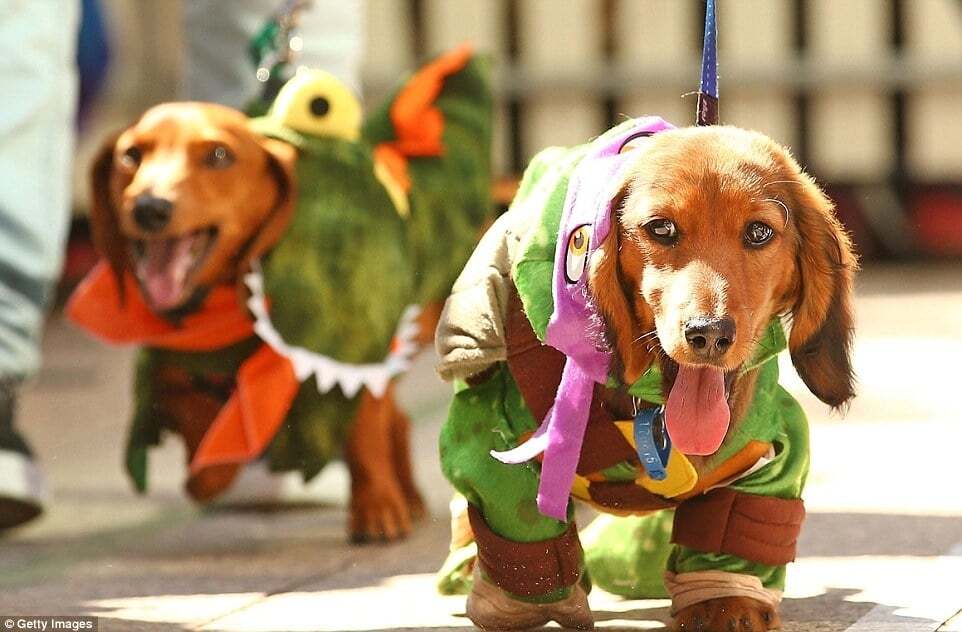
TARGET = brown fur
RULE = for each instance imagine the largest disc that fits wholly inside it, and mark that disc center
(712, 183)
(250, 203)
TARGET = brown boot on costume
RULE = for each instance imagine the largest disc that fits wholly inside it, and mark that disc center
(491, 608)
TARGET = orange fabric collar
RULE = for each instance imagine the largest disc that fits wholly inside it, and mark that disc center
(97, 307)
(266, 384)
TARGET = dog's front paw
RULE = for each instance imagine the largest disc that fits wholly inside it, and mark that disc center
(380, 511)
(728, 614)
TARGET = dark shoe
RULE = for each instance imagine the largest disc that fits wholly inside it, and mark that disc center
(22, 487)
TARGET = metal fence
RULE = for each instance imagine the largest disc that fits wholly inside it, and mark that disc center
(867, 93)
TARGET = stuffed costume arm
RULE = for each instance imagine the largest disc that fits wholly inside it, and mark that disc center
(470, 335)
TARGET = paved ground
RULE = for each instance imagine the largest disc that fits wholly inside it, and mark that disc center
(882, 550)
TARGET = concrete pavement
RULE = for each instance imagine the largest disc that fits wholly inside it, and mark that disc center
(881, 551)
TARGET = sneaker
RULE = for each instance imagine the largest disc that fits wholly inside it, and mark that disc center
(23, 490)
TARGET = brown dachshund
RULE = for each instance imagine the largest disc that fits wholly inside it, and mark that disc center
(720, 231)
(716, 237)
(184, 200)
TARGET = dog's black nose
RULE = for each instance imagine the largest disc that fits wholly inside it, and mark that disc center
(710, 338)
(152, 213)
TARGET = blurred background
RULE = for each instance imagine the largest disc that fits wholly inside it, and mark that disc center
(867, 93)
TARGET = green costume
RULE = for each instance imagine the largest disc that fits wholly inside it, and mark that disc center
(367, 240)
(506, 289)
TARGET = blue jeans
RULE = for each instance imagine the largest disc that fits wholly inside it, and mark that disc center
(38, 80)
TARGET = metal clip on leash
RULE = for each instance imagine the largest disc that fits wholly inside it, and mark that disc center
(275, 47)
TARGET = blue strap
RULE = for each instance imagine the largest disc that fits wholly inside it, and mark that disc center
(652, 441)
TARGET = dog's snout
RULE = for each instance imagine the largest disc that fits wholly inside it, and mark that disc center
(710, 338)
(152, 213)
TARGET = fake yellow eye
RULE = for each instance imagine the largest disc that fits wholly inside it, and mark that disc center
(314, 102)
(576, 257)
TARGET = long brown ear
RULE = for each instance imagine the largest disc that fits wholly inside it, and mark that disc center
(281, 161)
(822, 316)
(103, 212)
(611, 290)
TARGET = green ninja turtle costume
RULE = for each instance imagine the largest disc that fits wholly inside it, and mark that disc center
(727, 527)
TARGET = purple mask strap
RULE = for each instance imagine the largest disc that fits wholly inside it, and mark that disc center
(560, 436)
(566, 432)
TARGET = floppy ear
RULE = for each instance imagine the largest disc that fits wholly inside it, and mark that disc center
(281, 162)
(103, 212)
(611, 290)
(822, 318)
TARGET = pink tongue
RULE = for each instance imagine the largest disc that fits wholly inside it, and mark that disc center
(697, 412)
(163, 270)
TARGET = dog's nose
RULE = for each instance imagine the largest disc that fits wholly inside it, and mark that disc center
(152, 213)
(710, 338)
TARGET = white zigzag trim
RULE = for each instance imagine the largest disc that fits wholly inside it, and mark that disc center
(326, 370)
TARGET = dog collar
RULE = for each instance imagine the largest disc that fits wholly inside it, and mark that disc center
(575, 326)
(327, 371)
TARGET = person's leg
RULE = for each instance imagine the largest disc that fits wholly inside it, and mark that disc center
(217, 33)
(38, 81)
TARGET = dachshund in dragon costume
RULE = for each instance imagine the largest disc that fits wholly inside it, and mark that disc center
(279, 272)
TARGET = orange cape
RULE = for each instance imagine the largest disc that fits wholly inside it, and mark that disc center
(266, 384)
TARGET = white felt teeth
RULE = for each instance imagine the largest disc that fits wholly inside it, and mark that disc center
(327, 371)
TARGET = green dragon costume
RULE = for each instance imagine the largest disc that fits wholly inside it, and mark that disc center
(387, 212)
(724, 528)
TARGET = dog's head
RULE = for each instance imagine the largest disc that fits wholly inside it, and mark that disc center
(187, 196)
(718, 232)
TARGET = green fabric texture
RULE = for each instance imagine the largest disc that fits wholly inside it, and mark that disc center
(626, 556)
(492, 416)
(348, 265)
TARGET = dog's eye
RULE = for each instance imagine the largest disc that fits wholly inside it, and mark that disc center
(758, 234)
(576, 257)
(219, 158)
(663, 230)
(131, 157)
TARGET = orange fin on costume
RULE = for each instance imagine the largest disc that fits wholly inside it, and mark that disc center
(245, 426)
(97, 307)
(418, 122)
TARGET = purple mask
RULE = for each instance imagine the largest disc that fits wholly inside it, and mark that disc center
(575, 327)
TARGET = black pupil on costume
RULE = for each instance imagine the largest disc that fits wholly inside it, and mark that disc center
(579, 240)
(320, 106)
(759, 233)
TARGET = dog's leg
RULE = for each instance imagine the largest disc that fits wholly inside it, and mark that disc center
(401, 443)
(190, 411)
(379, 509)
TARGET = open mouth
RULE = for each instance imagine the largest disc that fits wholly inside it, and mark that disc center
(698, 407)
(165, 266)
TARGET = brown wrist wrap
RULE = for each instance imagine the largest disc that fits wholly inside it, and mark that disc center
(757, 528)
(527, 568)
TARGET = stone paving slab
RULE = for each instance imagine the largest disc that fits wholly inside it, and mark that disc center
(882, 548)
